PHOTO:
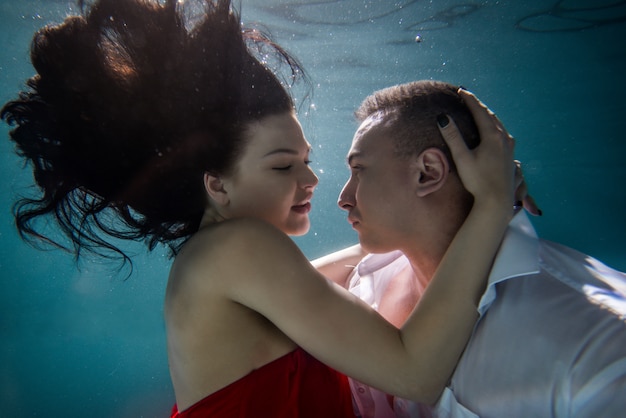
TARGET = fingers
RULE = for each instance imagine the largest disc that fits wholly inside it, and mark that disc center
(520, 185)
(490, 128)
(522, 198)
(530, 206)
(481, 113)
(486, 171)
(483, 116)
(453, 137)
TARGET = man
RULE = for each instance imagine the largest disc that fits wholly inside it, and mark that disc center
(551, 340)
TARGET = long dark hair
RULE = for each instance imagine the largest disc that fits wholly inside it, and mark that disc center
(131, 103)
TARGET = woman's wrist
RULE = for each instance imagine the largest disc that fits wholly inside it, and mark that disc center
(495, 209)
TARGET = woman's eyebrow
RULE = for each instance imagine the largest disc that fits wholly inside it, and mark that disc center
(281, 151)
(290, 151)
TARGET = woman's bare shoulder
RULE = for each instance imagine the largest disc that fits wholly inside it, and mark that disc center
(232, 238)
(224, 251)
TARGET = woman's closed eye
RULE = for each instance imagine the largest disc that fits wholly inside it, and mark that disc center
(285, 168)
(289, 166)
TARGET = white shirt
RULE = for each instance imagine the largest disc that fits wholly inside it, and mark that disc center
(551, 340)
(369, 281)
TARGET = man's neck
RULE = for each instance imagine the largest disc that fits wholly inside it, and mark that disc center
(426, 256)
(424, 266)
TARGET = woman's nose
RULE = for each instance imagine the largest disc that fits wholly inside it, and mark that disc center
(310, 179)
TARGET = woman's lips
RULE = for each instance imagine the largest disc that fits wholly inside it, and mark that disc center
(305, 208)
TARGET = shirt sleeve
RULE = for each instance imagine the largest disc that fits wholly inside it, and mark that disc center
(603, 395)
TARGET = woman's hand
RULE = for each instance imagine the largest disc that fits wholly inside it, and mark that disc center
(488, 171)
(490, 129)
(522, 198)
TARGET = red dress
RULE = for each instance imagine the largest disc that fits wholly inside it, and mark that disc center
(293, 386)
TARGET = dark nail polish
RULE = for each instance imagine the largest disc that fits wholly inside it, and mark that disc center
(539, 212)
(442, 120)
(462, 88)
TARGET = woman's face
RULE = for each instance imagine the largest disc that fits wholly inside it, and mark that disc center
(272, 179)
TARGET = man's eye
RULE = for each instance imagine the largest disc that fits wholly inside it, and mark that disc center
(285, 168)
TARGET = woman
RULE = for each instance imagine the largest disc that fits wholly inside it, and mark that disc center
(147, 121)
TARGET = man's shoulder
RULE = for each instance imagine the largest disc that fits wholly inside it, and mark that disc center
(600, 284)
(572, 265)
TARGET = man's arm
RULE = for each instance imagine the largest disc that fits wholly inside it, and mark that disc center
(337, 266)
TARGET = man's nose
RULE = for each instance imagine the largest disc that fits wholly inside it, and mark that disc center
(346, 199)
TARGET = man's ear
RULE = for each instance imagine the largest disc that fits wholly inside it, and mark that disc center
(215, 189)
(433, 168)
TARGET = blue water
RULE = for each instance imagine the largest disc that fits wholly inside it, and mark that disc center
(88, 343)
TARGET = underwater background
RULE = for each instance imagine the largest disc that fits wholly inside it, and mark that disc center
(85, 340)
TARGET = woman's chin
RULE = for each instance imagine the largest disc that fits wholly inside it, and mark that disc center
(298, 230)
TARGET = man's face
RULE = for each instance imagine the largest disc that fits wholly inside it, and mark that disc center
(378, 196)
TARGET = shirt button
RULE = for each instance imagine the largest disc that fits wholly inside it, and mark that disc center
(361, 390)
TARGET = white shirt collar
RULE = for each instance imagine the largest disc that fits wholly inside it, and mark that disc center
(373, 262)
(518, 256)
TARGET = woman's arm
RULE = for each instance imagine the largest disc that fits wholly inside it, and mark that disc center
(337, 266)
